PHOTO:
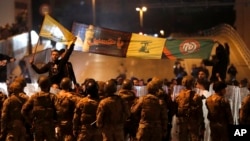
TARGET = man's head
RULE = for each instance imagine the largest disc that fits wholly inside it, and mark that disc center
(135, 81)
(44, 82)
(158, 81)
(110, 87)
(91, 88)
(54, 55)
(127, 84)
(188, 81)
(65, 83)
(219, 86)
(202, 74)
(21, 80)
(152, 87)
(15, 87)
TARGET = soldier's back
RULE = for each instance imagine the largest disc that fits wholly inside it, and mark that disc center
(15, 103)
(149, 109)
(244, 116)
(44, 106)
(216, 106)
(88, 108)
(114, 109)
(128, 96)
(65, 105)
(2, 99)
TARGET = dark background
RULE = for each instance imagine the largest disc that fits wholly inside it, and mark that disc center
(186, 16)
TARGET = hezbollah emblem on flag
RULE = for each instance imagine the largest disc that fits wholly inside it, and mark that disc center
(189, 46)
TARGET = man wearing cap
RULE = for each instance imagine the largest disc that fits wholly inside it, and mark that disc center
(219, 113)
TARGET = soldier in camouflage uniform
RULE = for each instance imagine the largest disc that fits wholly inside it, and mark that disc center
(219, 113)
(12, 125)
(153, 115)
(23, 83)
(65, 106)
(101, 89)
(128, 95)
(40, 111)
(2, 99)
(245, 111)
(170, 105)
(189, 112)
(84, 126)
(112, 113)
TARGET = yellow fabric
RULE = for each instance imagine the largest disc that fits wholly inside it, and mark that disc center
(53, 30)
(146, 47)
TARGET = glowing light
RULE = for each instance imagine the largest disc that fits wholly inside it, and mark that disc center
(162, 32)
(141, 10)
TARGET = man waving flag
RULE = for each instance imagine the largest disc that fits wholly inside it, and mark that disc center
(53, 30)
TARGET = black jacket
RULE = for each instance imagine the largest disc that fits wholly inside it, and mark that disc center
(55, 69)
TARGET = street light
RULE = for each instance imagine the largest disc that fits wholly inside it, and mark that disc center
(162, 32)
(141, 10)
(93, 11)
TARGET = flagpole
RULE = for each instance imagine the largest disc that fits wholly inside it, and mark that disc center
(38, 42)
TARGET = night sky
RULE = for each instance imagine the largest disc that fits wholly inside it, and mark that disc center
(121, 14)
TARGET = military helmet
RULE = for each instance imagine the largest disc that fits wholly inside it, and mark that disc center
(91, 87)
(158, 81)
(188, 81)
(21, 80)
(15, 87)
(65, 83)
(152, 87)
(44, 82)
(127, 84)
(110, 87)
(219, 85)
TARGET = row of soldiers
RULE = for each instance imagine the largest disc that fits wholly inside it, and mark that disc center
(116, 116)
(68, 116)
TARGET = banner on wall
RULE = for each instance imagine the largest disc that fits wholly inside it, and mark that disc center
(101, 40)
(123, 44)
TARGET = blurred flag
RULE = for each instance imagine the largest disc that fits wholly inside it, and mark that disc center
(53, 30)
(188, 48)
(146, 47)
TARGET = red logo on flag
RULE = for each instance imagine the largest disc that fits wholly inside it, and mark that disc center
(189, 46)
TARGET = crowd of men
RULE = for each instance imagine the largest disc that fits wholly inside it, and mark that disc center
(104, 112)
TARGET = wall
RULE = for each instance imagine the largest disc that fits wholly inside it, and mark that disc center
(243, 20)
(7, 12)
(101, 67)
(10, 8)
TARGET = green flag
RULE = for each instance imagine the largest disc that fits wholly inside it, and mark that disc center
(188, 48)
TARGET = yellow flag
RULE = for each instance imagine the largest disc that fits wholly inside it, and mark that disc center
(53, 30)
(146, 47)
